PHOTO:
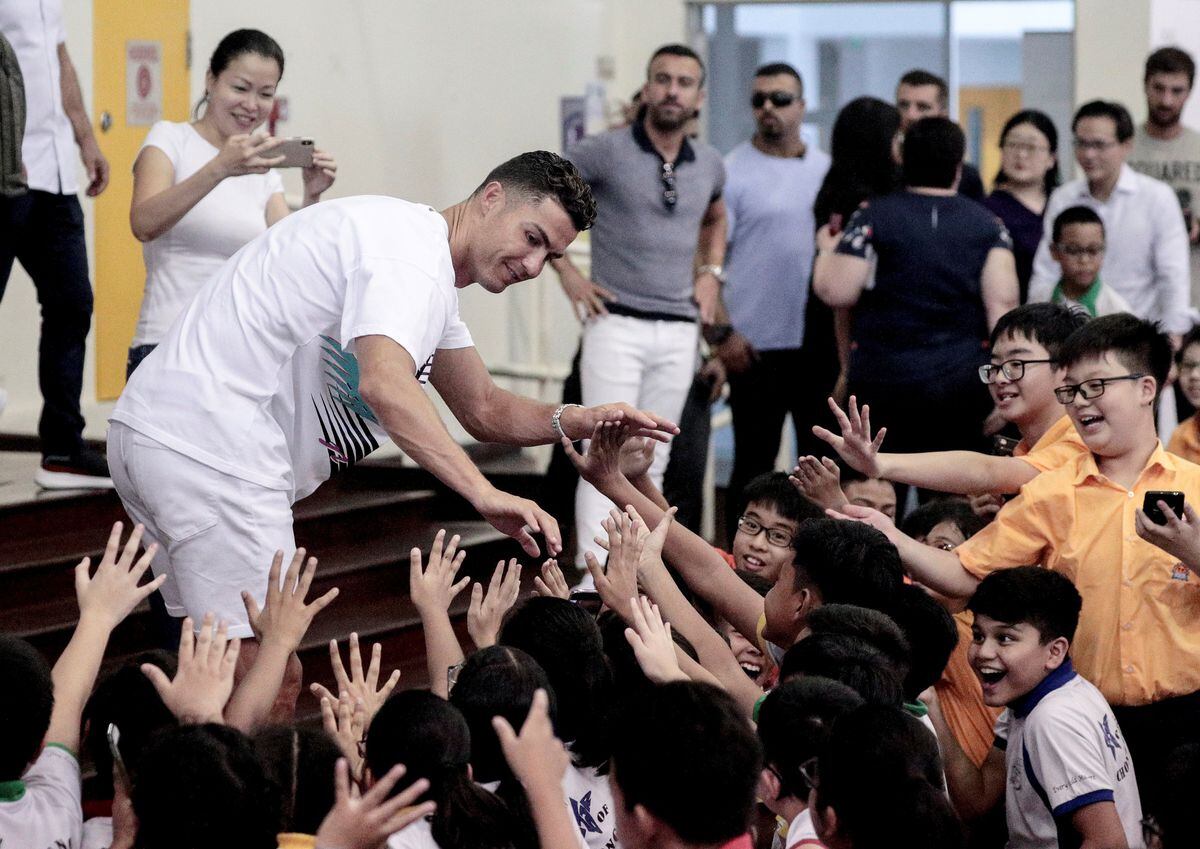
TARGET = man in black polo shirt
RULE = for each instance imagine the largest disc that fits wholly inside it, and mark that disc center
(659, 207)
(944, 273)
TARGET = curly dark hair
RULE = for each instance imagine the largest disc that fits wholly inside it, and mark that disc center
(539, 174)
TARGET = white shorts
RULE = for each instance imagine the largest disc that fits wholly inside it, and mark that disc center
(216, 533)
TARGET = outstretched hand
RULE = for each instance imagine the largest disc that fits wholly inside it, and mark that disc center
(359, 686)
(616, 582)
(203, 680)
(651, 641)
(432, 588)
(601, 464)
(855, 445)
(580, 422)
(552, 583)
(487, 609)
(819, 480)
(285, 617)
(366, 821)
(113, 592)
(866, 515)
(520, 519)
(536, 757)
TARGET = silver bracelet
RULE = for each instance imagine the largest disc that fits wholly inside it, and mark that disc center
(556, 419)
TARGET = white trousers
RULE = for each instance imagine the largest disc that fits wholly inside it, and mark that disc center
(646, 363)
(216, 534)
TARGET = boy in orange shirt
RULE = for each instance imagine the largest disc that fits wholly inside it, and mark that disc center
(1139, 631)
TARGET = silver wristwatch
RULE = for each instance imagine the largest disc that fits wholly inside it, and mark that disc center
(556, 419)
(717, 271)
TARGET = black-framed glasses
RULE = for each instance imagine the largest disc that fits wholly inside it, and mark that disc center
(1090, 389)
(1090, 251)
(776, 537)
(779, 99)
(809, 771)
(1012, 369)
(670, 195)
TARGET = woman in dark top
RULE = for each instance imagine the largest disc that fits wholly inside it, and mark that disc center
(863, 166)
(1028, 174)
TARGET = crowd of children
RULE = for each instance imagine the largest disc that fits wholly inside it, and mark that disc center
(1018, 659)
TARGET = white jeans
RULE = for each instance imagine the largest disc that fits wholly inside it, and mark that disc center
(216, 534)
(646, 363)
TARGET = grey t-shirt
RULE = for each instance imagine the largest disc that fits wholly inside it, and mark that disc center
(1176, 163)
(643, 249)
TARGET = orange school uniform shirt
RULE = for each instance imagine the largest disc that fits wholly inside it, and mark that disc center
(1059, 445)
(1185, 441)
(1138, 639)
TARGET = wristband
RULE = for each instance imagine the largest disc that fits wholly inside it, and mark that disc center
(556, 419)
(717, 271)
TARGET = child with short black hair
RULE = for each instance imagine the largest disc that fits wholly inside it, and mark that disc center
(771, 510)
(848, 660)
(685, 767)
(1060, 760)
(43, 707)
(793, 726)
(1077, 245)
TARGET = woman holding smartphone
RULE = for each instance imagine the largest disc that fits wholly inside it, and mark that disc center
(201, 190)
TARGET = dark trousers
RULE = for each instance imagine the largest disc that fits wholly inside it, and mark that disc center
(44, 231)
(778, 383)
(1153, 732)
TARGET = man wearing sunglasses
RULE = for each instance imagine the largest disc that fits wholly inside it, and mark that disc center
(773, 180)
(658, 248)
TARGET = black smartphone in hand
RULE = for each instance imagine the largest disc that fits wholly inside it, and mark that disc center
(1173, 499)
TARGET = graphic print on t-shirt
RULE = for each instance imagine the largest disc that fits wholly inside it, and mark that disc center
(342, 412)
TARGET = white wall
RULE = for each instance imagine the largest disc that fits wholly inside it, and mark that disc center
(418, 99)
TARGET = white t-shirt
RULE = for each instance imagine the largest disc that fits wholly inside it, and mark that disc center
(801, 832)
(258, 378)
(182, 259)
(590, 800)
(97, 833)
(48, 814)
(1063, 750)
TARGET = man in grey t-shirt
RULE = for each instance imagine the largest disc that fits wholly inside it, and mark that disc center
(773, 182)
(659, 215)
(1163, 148)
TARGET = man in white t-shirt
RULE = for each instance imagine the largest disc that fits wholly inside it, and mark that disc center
(310, 347)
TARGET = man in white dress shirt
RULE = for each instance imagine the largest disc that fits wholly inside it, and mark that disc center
(1146, 256)
(43, 228)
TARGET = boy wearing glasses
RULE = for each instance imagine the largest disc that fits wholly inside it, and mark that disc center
(1185, 441)
(1021, 378)
(1139, 632)
(1146, 252)
(1078, 247)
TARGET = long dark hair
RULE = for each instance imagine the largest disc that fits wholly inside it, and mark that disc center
(431, 738)
(299, 764)
(861, 152)
(565, 641)
(1041, 122)
(239, 43)
(500, 681)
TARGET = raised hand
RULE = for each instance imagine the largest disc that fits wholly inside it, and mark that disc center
(579, 422)
(635, 456)
(345, 720)
(819, 480)
(359, 687)
(651, 641)
(433, 588)
(203, 681)
(536, 757)
(520, 519)
(855, 445)
(552, 583)
(600, 465)
(866, 515)
(487, 610)
(285, 617)
(366, 821)
(652, 542)
(113, 592)
(616, 582)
